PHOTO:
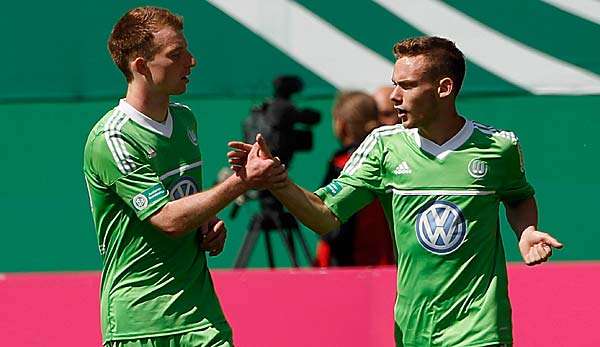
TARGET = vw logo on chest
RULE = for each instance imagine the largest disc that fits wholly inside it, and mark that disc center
(441, 227)
(184, 186)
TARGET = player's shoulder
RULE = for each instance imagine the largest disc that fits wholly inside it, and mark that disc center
(115, 131)
(389, 132)
(101, 135)
(113, 120)
(181, 112)
(177, 107)
(501, 136)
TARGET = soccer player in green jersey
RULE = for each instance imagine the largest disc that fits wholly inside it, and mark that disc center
(440, 178)
(143, 169)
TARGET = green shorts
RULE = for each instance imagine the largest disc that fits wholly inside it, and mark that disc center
(209, 337)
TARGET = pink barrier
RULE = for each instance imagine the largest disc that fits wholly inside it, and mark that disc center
(555, 304)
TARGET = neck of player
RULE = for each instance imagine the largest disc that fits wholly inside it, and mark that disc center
(152, 104)
(443, 127)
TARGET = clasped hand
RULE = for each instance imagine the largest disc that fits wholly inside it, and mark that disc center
(256, 166)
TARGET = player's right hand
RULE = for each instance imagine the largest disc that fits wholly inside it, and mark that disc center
(274, 178)
(212, 235)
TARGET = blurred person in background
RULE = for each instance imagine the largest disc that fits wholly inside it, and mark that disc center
(387, 115)
(440, 178)
(143, 170)
(365, 239)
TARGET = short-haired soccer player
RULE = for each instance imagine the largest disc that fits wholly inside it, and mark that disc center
(143, 169)
(440, 178)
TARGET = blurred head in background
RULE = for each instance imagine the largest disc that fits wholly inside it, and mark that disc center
(354, 116)
(148, 46)
(427, 77)
(387, 115)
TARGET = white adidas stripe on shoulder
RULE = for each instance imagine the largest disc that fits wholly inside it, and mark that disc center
(361, 153)
(116, 145)
(499, 132)
(388, 127)
(179, 105)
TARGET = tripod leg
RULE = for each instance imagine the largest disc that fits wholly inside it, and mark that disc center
(249, 241)
(269, 249)
(286, 240)
(303, 243)
(285, 237)
(290, 237)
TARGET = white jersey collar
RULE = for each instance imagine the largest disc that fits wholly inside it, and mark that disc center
(164, 129)
(442, 151)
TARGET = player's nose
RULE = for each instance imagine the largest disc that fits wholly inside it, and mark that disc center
(192, 60)
(396, 96)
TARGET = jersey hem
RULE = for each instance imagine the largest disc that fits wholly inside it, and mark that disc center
(479, 344)
(519, 196)
(489, 344)
(153, 209)
(199, 326)
(330, 207)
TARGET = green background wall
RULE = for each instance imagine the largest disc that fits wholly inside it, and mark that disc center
(58, 79)
(57, 50)
(44, 207)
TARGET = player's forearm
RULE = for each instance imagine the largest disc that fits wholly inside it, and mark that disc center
(522, 215)
(187, 214)
(307, 207)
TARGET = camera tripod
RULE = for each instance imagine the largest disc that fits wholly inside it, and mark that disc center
(266, 222)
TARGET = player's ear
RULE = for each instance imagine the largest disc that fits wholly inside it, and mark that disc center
(139, 65)
(445, 87)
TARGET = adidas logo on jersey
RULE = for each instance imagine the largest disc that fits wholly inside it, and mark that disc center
(402, 169)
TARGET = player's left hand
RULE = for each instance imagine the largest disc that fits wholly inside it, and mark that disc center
(536, 246)
(275, 178)
(212, 236)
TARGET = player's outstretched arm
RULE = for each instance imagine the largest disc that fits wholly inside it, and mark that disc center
(535, 246)
(303, 204)
(189, 213)
(307, 207)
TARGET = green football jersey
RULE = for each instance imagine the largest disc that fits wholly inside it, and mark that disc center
(442, 202)
(152, 284)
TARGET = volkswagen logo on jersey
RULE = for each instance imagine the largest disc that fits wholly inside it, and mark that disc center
(478, 168)
(184, 186)
(441, 227)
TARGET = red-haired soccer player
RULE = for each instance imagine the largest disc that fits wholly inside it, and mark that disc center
(143, 169)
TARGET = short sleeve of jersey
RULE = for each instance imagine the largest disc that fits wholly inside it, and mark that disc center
(124, 169)
(514, 186)
(358, 183)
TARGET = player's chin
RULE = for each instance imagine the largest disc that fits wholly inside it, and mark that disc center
(407, 123)
(179, 90)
